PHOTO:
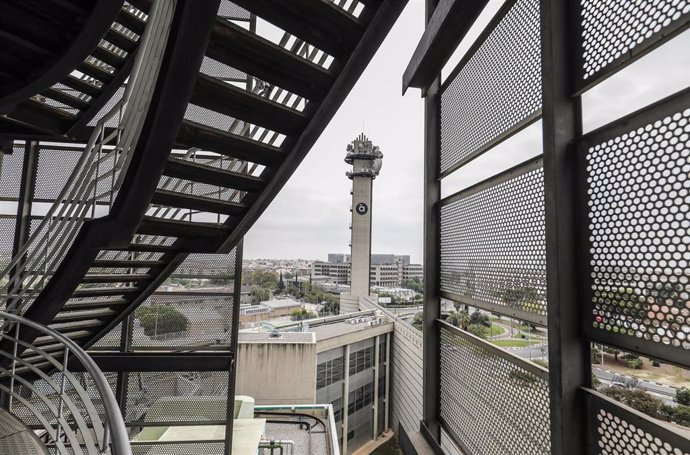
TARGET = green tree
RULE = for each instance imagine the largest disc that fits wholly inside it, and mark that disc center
(281, 284)
(478, 330)
(683, 396)
(302, 314)
(161, 319)
(636, 399)
(262, 278)
(414, 284)
(635, 364)
(458, 319)
(260, 295)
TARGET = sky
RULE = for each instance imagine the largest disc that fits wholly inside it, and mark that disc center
(310, 217)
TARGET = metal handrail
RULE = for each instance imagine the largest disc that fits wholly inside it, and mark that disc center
(46, 248)
(114, 438)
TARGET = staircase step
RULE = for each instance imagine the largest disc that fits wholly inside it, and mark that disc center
(76, 335)
(192, 134)
(79, 305)
(213, 176)
(96, 72)
(236, 102)
(126, 263)
(108, 57)
(120, 40)
(65, 98)
(148, 248)
(111, 291)
(158, 226)
(82, 86)
(115, 278)
(130, 21)
(320, 23)
(75, 325)
(187, 201)
(246, 51)
(63, 315)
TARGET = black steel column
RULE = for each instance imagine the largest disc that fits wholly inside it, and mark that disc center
(123, 376)
(234, 336)
(569, 362)
(432, 255)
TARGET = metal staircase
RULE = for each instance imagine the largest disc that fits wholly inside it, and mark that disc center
(196, 154)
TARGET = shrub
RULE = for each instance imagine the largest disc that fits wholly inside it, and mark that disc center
(478, 330)
(635, 364)
(636, 399)
(683, 396)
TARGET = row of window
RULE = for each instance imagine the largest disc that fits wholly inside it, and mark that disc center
(360, 398)
(329, 372)
(361, 360)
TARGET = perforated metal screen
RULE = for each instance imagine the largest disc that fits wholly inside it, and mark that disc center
(493, 403)
(494, 90)
(618, 429)
(184, 319)
(615, 31)
(493, 247)
(637, 192)
(54, 168)
(193, 396)
(177, 448)
(11, 173)
(207, 266)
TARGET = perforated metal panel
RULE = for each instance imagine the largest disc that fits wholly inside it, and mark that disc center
(230, 10)
(219, 70)
(493, 247)
(211, 266)
(113, 122)
(178, 448)
(638, 200)
(614, 31)
(617, 429)
(207, 320)
(7, 227)
(54, 168)
(177, 396)
(208, 117)
(11, 173)
(492, 403)
(494, 90)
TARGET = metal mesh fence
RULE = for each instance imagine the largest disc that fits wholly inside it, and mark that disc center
(612, 31)
(177, 396)
(178, 448)
(494, 90)
(493, 247)
(184, 319)
(638, 199)
(617, 429)
(11, 173)
(493, 403)
(54, 168)
(207, 266)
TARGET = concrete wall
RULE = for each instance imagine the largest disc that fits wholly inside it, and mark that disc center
(277, 372)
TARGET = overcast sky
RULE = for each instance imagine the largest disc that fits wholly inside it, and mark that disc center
(310, 217)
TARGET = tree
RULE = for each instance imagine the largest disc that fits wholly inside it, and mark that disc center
(161, 319)
(636, 399)
(614, 351)
(262, 278)
(414, 284)
(683, 396)
(302, 314)
(458, 319)
(478, 330)
(281, 284)
(635, 364)
(418, 320)
(260, 295)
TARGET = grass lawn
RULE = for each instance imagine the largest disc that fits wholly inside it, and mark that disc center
(514, 343)
(497, 330)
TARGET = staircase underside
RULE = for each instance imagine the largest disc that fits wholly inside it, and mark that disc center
(251, 130)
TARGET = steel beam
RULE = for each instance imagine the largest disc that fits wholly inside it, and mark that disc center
(569, 359)
(234, 341)
(137, 362)
(445, 29)
(432, 256)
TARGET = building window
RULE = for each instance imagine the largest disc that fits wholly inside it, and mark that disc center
(329, 372)
(360, 398)
(361, 360)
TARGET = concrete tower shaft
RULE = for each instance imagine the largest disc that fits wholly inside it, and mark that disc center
(366, 160)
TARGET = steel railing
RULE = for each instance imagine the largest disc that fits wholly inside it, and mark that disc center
(43, 392)
(93, 185)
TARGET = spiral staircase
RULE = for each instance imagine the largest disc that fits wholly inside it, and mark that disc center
(188, 124)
